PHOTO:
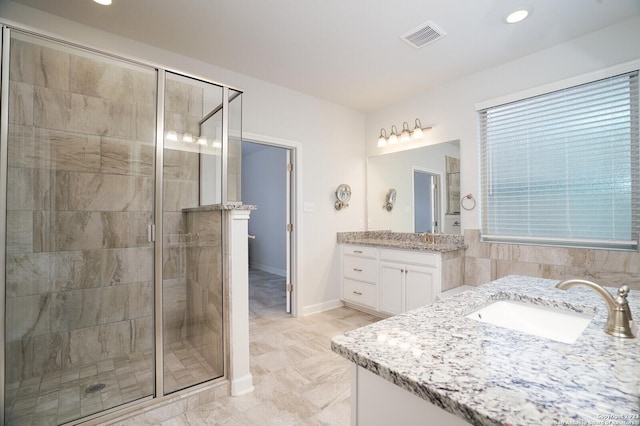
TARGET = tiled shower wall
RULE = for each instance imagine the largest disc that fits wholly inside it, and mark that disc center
(485, 262)
(80, 197)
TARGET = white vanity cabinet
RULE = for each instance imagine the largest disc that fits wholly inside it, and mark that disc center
(389, 281)
(407, 280)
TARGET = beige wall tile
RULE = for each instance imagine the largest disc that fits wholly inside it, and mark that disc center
(608, 278)
(86, 345)
(125, 157)
(28, 316)
(477, 271)
(20, 103)
(19, 232)
(616, 261)
(58, 231)
(452, 273)
(50, 149)
(39, 65)
(505, 268)
(36, 189)
(40, 273)
(103, 192)
(181, 165)
(180, 194)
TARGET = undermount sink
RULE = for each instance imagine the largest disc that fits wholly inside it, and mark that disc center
(559, 325)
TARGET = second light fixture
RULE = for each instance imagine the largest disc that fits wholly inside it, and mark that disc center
(405, 136)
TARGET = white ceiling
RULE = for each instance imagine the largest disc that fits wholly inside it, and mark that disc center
(346, 51)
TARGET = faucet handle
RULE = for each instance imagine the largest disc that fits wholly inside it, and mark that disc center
(621, 300)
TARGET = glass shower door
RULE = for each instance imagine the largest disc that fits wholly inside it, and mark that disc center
(79, 264)
(192, 286)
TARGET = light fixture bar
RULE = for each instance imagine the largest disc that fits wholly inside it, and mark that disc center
(405, 136)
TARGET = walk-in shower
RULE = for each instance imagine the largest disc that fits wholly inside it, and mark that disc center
(112, 280)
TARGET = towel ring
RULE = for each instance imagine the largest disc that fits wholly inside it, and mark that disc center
(470, 205)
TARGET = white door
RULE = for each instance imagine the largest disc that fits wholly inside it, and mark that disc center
(419, 284)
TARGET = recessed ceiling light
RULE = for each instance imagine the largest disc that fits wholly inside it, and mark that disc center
(103, 2)
(517, 16)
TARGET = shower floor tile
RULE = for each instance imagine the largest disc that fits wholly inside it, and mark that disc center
(61, 397)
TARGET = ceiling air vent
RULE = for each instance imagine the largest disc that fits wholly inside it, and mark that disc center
(423, 34)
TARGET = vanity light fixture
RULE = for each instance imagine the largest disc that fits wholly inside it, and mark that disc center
(382, 140)
(103, 2)
(202, 141)
(405, 136)
(187, 137)
(518, 15)
(393, 137)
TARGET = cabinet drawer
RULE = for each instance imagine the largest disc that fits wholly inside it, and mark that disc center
(361, 251)
(360, 293)
(416, 258)
(361, 269)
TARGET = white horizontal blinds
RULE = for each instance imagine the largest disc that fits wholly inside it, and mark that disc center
(562, 167)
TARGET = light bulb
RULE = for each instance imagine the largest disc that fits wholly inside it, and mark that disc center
(405, 136)
(382, 140)
(103, 2)
(187, 138)
(171, 135)
(393, 137)
(202, 140)
(516, 16)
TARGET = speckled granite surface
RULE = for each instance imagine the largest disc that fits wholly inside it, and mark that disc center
(490, 375)
(226, 206)
(404, 240)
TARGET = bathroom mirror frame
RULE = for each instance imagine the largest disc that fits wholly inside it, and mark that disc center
(394, 170)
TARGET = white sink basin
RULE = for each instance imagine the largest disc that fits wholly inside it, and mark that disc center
(559, 325)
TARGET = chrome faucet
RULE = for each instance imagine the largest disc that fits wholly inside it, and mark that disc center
(619, 320)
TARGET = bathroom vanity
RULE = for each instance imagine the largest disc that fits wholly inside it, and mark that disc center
(388, 273)
(435, 365)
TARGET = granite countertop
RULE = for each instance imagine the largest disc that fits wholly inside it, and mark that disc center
(218, 207)
(404, 240)
(490, 375)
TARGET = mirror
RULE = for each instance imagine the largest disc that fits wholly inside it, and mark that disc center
(396, 170)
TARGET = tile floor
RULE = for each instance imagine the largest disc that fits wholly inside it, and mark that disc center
(298, 380)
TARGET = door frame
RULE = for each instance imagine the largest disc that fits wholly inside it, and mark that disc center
(295, 149)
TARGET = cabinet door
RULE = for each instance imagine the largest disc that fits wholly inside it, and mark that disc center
(419, 285)
(391, 276)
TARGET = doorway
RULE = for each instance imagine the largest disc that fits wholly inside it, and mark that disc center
(426, 201)
(266, 183)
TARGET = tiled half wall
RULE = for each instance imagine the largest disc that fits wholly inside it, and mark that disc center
(485, 262)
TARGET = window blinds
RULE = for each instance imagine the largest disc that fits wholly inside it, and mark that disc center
(562, 168)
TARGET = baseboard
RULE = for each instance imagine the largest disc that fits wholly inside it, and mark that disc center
(321, 307)
(242, 386)
(269, 269)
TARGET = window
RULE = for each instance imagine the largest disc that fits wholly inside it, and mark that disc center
(562, 168)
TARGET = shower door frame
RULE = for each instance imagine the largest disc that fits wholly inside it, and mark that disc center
(155, 228)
